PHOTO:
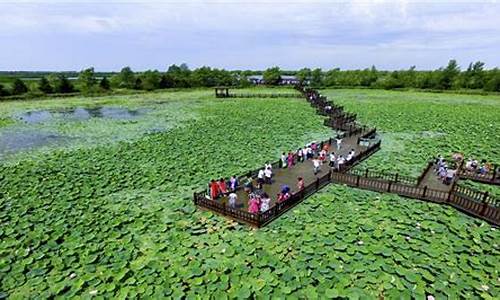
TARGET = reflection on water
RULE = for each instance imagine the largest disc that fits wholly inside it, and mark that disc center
(82, 114)
(15, 140)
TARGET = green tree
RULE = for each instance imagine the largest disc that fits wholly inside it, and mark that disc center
(124, 79)
(3, 91)
(317, 78)
(303, 75)
(138, 83)
(87, 80)
(272, 76)
(166, 81)
(19, 87)
(150, 80)
(44, 86)
(104, 84)
(63, 85)
(181, 75)
(493, 82)
(448, 75)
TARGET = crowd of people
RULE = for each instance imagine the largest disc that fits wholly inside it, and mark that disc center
(258, 201)
(447, 171)
(473, 166)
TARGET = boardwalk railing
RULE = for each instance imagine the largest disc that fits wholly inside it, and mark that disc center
(491, 177)
(476, 203)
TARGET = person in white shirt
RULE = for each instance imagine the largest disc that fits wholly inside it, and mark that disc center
(283, 160)
(268, 174)
(316, 166)
(233, 198)
(264, 202)
(332, 159)
(268, 166)
(339, 142)
(350, 155)
(260, 176)
(300, 155)
(340, 162)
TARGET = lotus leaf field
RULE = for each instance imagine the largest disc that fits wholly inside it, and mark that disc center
(114, 218)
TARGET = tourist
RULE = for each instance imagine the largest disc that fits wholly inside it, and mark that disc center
(322, 156)
(442, 172)
(222, 186)
(338, 141)
(468, 165)
(233, 183)
(214, 189)
(268, 166)
(332, 160)
(233, 198)
(350, 155)
(340, 163)
(253, 204)
(314, 147)
(300, 183)
(326, 147)
(310, 153)
(248, 187)
(300, 156)
(316, 166)
(304, 153)
(283, 160)
(290, 159)
(268, 175)
(264, 202)
(485, 168)
(450, 174)
(260, 177)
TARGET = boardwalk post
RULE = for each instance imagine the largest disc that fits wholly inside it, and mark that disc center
(495, 167)
(389, 186)
(425, 191)
(485, 204)
(317, 183)
(451, 191)
(194, 198)
(396, 178)
(366, 173)
(330, 175)
(357, 180)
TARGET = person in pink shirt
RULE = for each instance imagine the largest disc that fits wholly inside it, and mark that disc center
(290, 159)
(253, 205)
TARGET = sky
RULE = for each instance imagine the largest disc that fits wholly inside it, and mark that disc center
(248, 34)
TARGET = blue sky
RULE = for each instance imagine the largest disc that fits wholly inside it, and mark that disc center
(250, 34)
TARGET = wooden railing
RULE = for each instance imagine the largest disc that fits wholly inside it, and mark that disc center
(492, 177)
(473, 202)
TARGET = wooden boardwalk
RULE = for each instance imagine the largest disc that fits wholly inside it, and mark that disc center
(426, 187)
(288, 176)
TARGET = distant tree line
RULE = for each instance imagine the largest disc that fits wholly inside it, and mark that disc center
(450, 77)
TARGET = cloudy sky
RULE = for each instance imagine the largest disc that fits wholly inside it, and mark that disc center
(246, 34)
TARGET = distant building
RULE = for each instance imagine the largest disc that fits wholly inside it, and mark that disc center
(285, 80)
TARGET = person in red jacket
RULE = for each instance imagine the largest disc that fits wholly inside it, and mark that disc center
(214, 189)
(222, 186)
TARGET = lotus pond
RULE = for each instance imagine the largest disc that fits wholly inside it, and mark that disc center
(111, 214)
